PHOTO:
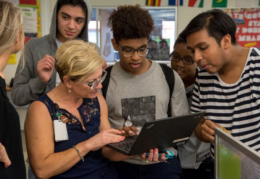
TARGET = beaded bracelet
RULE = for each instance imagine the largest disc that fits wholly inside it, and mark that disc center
(78, 153)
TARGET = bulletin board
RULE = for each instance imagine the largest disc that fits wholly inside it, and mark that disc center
(247, 21)
(32, 18)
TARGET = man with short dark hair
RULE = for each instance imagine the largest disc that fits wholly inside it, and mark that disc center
(138, 90)
(227, 88)
(69, 21)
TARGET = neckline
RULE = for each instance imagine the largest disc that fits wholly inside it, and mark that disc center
(143, 75)
(66, 111)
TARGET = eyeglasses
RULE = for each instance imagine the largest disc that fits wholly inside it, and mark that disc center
(129, 52)
(186, 60)
(95, 83)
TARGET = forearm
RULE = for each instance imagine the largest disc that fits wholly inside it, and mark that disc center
(58, 163)
(113, 155)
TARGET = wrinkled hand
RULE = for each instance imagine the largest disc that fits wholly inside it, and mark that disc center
(105, 137)
(129, 130)
(4, 157)
(45, 68)
(207, 130)
(153, 156)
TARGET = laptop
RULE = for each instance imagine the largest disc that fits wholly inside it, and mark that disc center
(161, 134)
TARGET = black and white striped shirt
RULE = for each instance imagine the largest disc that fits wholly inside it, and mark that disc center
(233, 106)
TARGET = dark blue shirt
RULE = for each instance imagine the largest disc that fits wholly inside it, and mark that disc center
(94, 165)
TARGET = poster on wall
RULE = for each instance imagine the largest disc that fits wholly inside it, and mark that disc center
(29, 20)
(248, 26)
(31, 17)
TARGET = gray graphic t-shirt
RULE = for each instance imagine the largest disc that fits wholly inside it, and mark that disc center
(143, 97)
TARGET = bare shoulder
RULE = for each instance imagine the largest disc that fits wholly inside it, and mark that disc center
(37, 112)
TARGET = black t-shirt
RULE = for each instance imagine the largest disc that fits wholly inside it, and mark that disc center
(10, 137)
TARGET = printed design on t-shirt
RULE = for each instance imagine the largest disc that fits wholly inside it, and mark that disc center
(140, 109)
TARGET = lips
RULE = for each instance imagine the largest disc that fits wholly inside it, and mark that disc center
(69, 32)
(135, 65)
(179, 72)
(205, 67)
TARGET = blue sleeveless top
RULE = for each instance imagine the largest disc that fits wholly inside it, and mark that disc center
(95, 166)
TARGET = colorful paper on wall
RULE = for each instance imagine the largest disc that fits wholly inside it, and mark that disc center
(29, 20)
(175, 3)
(219, 3)
(12, 59)
(196, 3)
(39, 31)
(31, 2)
(153, 2)
(247, 21)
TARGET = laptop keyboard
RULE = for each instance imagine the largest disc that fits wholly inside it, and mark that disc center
(125, 145)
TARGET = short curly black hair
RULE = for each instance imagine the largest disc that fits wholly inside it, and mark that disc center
(130, 22)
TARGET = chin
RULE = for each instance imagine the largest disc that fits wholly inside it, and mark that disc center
(212, 71)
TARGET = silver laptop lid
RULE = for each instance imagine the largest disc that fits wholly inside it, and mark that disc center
(234, 159)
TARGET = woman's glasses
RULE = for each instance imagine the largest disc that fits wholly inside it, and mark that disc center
(95, 83)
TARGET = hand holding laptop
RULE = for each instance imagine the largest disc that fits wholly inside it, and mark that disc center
(154, 156)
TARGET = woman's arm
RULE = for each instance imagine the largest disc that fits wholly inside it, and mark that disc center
(40, 143)
(39, 135)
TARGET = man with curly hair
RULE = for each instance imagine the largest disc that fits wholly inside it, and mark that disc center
(137, 90)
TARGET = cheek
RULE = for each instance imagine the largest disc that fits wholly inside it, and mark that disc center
(80, 27)
(190, 70)
(173, 65)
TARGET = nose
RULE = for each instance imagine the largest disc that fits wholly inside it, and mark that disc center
(99, 86)
(180, 63)
(135, 56)
(71, 24)
(197, 56)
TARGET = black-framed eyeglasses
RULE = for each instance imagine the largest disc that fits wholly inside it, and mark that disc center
(129, 52)
(95, 83)
(186, 60)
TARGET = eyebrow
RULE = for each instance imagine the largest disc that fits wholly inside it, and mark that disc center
(79, 18)
(201, 43)
(144, 45)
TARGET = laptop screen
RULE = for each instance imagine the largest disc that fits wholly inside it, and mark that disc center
(233, 159)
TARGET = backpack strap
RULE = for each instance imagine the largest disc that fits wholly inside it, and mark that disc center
(169, 77)
(106, 81)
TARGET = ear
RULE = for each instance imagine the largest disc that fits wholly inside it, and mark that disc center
(67, 82)
(114, 44)
(17, 40)
(226, 41)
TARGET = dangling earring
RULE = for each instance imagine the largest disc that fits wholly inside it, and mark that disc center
(69, 90)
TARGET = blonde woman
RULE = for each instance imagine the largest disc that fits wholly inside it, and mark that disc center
(11, 41)
(67, 128)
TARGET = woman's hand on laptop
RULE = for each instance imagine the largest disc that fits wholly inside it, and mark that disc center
(153, 156)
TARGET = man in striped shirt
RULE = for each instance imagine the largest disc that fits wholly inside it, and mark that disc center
(228, 87)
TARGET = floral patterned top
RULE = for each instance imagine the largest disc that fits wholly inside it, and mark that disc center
(94, 165)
